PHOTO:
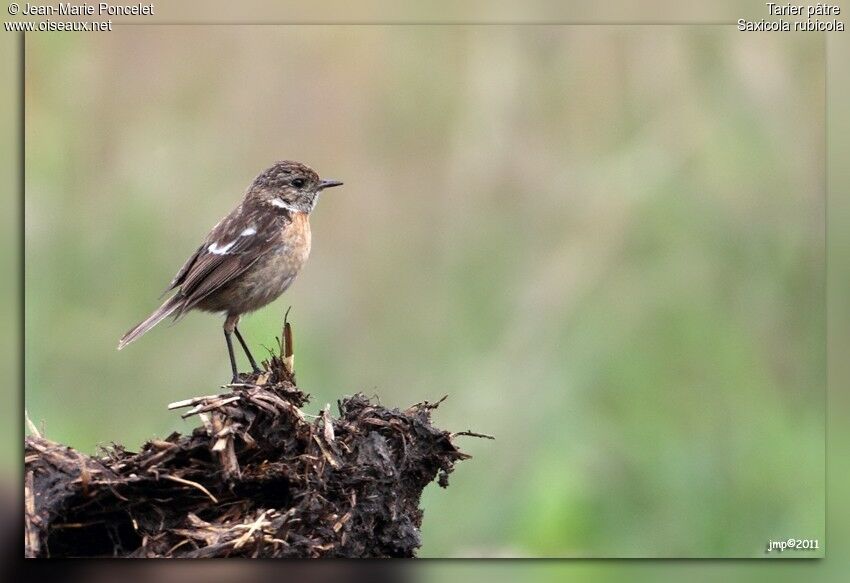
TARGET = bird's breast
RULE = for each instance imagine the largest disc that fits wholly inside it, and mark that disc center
(295, 240)
(290, 254)
(274, 272)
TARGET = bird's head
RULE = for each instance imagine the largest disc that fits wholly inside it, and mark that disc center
(289, 185)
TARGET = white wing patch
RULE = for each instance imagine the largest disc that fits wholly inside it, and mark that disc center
(222, 250)
(214, 248)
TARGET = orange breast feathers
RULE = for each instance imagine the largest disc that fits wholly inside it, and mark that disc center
(296, 236)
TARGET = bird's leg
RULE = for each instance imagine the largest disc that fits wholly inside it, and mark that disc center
(247, 352)
(229, 327)
(232, 356)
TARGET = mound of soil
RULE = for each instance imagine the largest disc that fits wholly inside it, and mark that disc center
(258, 478)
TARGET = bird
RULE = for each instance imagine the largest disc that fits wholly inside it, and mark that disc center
(249, 258)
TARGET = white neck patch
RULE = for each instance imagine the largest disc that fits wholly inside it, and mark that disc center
(284, 205)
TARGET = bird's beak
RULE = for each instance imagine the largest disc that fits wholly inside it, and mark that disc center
(329, 184)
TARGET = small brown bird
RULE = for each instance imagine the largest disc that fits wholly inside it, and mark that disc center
(250, 257)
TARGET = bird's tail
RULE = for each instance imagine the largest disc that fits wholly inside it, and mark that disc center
(161, 313)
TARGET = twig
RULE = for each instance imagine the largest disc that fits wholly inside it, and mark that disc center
(190, 483)
(327, 424)
(30, 425)
(327, 453)
(471, 434)
(33, 543)
(203, 408)
(288, 344)
(193, 401)
(253, 528)
(426, 405)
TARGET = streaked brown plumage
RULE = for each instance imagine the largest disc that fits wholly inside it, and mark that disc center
(250, 257)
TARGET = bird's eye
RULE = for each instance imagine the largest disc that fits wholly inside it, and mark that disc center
(298, 182)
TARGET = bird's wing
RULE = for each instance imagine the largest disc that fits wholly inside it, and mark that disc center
(232, 246)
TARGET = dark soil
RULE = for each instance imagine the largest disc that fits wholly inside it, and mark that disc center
(259, 478)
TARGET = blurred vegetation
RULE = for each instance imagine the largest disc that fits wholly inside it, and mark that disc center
(10, 215)
(605, 243)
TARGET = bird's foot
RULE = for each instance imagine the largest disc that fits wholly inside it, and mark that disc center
(244, 377)
(241, 378)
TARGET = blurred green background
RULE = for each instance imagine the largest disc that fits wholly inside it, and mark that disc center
(606, 244)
